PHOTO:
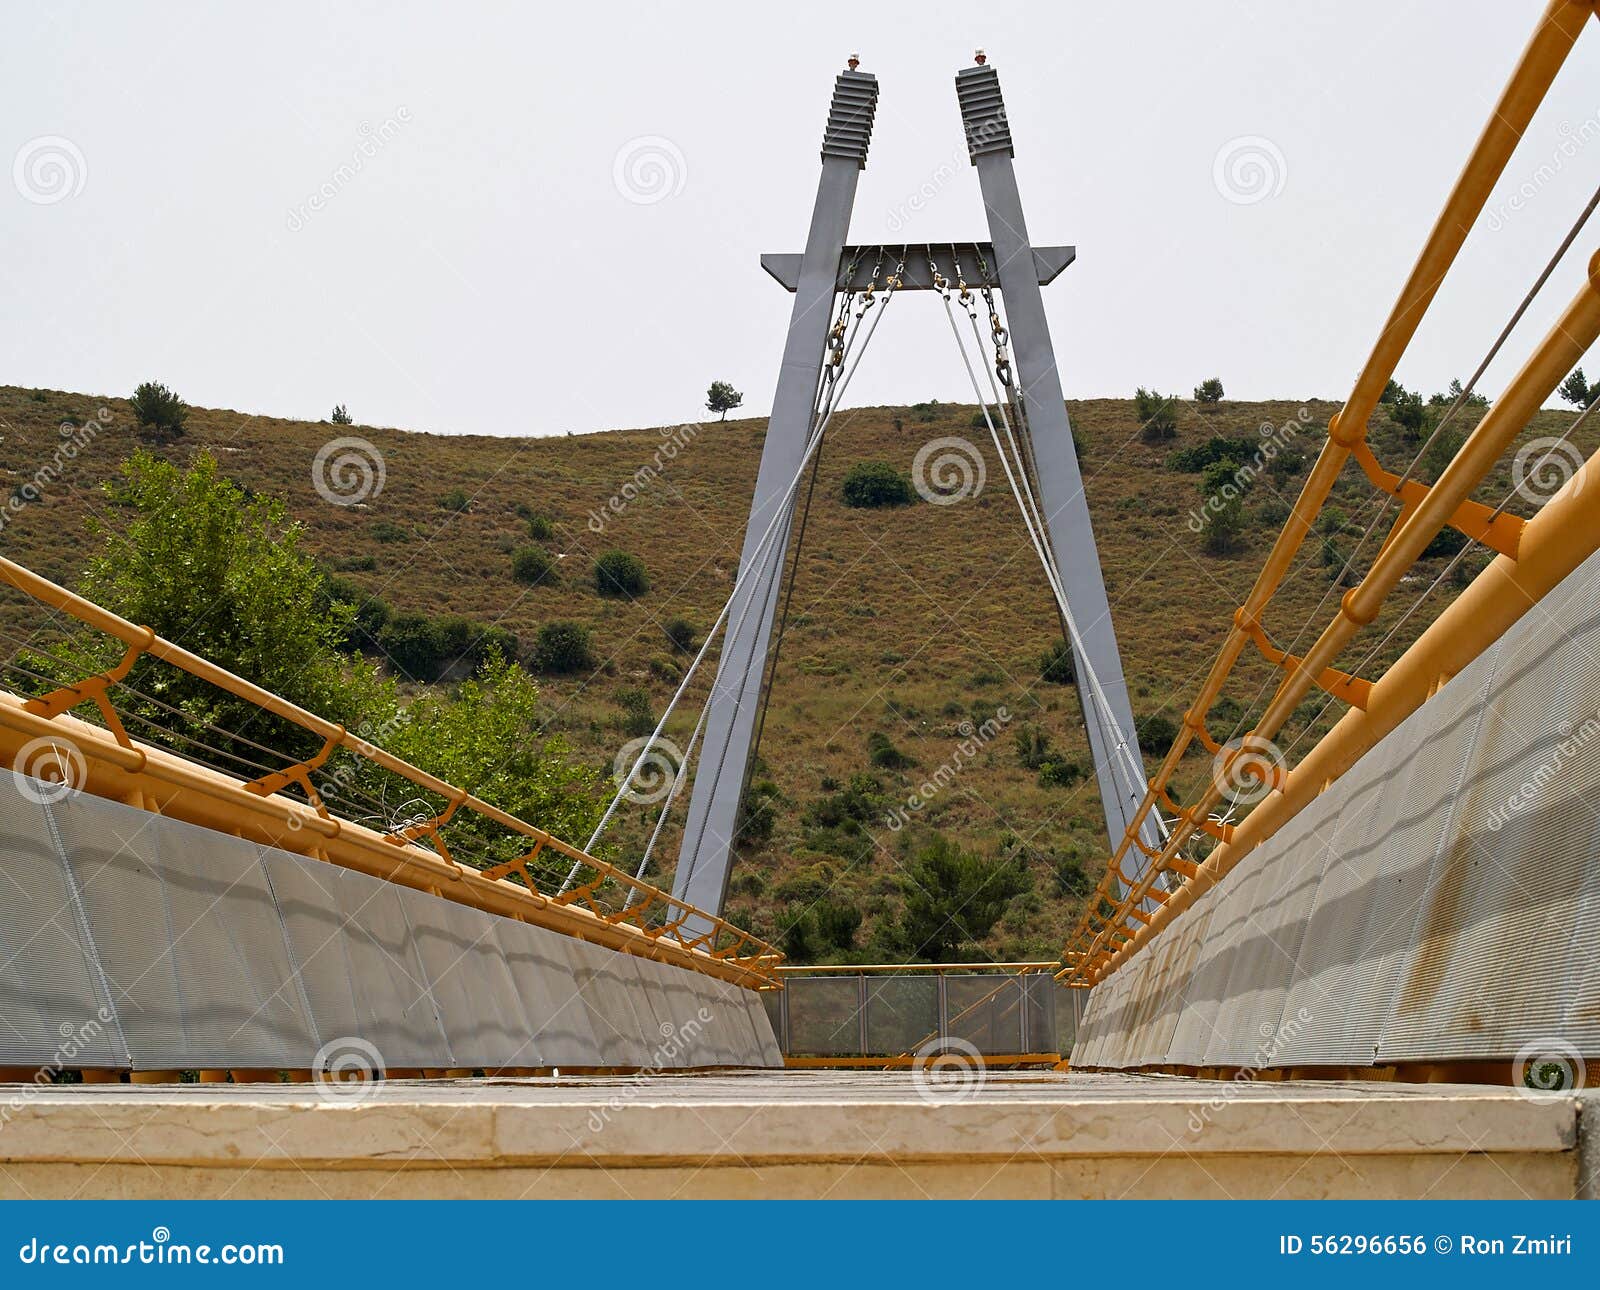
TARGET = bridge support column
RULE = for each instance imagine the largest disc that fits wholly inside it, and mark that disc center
(1061, 498)
(706, 855)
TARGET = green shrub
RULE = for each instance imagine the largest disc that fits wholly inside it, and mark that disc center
(1057, 666)
(1156, 733)
(355, 563)
(680, 631)
(389, 531)
(1033, 747)
(455, 500)
(616, 573)
(1208, 391)
(562, 648)
(1060, 774)
(541, 528)
(1069, 878)
(1236, 449)
(414, 645)
(637, 718)
(533, 565)
(953, 899)
(837, 923)
(758, 811)
(876, 483)
(882, 753)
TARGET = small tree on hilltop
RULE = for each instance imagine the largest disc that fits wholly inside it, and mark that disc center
(722, 398)
(1156, 419)
(1208, 391)
(159, 412)
(1577, 391)
(341, 415)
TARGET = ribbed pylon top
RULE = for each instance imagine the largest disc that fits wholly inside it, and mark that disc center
(849, 129)
(983, 112)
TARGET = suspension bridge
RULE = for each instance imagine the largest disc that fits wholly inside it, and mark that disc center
(1372, 971)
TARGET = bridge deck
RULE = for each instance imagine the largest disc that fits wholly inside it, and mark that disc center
(755, 1134)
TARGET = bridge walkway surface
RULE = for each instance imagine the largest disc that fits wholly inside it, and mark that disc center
(801, 1134)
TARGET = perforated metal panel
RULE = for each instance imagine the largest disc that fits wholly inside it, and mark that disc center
(1438, 902)
(52, 993)
(1249, 1022)
(1505, 953)
(824, 1016)
(306, 894)
(902, 1011)
(129, 939)
(983, 1012)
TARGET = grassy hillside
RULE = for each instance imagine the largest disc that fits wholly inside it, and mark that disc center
(913, 624)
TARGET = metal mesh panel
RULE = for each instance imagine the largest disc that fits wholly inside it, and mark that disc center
(113, 854)
(1249, 1020)
(396, 1001)
(541, 966)
(467, 978)
(51, 993)
(241, 1002)
(1230, 930)
(902, 1012)
(983, 1011)
(1504, 951)
(307, 898)
(1377, 873)
(824, 1016)
(1186, 1045)
(1068, 1012)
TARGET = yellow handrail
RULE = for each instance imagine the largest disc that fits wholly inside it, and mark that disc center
(1099, 940)
(722, 942)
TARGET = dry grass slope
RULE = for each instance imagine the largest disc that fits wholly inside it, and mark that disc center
(915, 623)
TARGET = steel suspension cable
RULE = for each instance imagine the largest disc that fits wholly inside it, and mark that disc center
(757, 561)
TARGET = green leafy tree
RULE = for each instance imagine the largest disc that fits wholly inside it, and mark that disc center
(1158, 421)
(341, 415)
(953, 898)
(1411, 414)
(722, 398)
(223, 574)
(159, 411)
(488, 739)
(1208, 391)
(1223, 487)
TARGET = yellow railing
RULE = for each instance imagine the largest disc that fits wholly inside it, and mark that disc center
(607, 905)
(1125, 910)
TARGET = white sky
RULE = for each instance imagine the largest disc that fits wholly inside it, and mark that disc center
(484, 273)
